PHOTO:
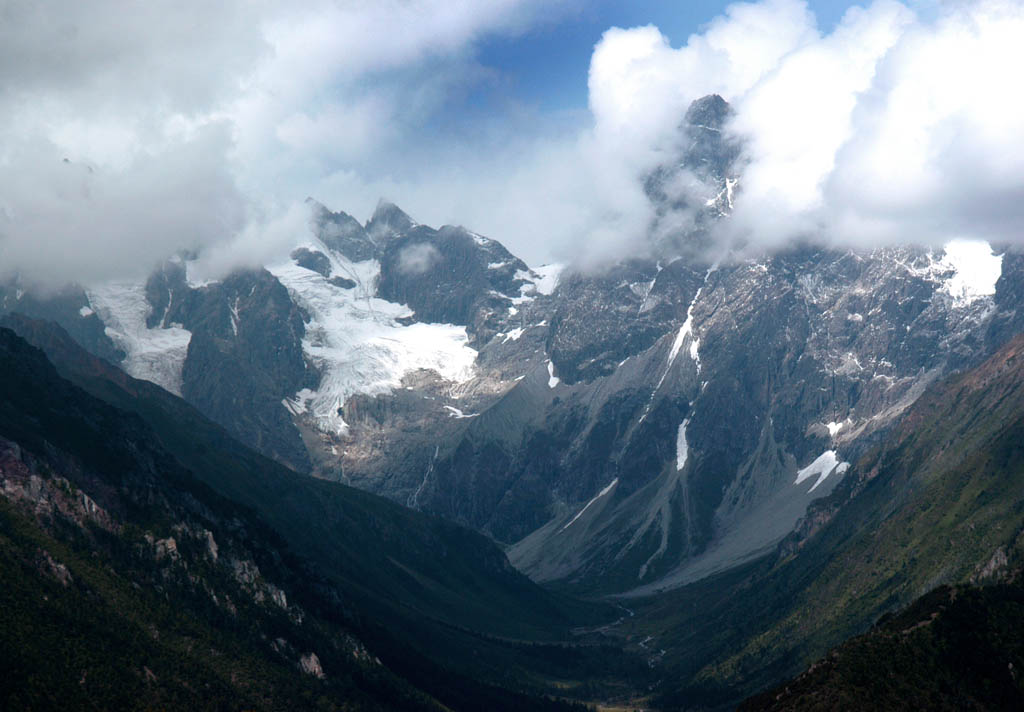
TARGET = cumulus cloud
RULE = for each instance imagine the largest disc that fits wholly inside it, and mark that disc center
(937, 147)
(640, 86)
(890, 128)
(893, 126)
(188, 123)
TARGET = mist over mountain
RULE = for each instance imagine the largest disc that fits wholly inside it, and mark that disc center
(885, 135)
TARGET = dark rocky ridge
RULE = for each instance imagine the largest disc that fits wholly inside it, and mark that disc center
(342, 232)
(311, 260)
(695, 190)
(601, 319)
(245, 355)
(68, 306)
(388, 220)
(450, 276)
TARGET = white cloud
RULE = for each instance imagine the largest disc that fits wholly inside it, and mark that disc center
(938, 149)
(849, 137)
(640, 86)
(418, 258)
(105, 57)
(64, 220)
(191, 114)
(890, 127)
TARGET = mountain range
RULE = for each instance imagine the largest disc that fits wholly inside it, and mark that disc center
(717, 463)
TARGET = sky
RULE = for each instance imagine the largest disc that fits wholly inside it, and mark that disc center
(548, 66)
(130, 131)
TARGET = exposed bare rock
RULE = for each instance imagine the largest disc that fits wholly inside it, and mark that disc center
(310, 664)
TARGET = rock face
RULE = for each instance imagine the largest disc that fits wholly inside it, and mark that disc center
(244, 356)
(70, 308)
(310, 664)
(450, 276)
(626, 430)
(342, 233)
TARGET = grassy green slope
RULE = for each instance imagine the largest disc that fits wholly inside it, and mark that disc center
(956, 648)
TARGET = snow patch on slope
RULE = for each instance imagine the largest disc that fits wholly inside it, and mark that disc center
(549, 275)
(825, 464)
(553, 380)
(156, 355)
(538, 280)
(685, 331)
(297, 405)
(682, 448)
(586, 506)
(355, 340)
(457, 413)
(512, 335)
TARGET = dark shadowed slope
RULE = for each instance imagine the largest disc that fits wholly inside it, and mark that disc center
(939, 502)
(957, 648)
(431, 599)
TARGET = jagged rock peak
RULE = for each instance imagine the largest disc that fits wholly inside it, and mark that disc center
(341, 232)
(711, 111)
(321, 214)
(388, 217)
(710, 153)
(315, 205)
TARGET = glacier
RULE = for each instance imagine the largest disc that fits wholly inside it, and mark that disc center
(156, 355)
(356, 341)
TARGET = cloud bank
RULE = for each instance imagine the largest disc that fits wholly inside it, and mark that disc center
(205, 125)
(194, 124)
(891, 128)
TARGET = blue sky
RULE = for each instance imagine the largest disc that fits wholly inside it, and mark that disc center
(546, 67)
(535, 80)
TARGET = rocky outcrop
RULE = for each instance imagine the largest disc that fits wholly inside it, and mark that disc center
(312, 260)
(245, 358)
(310, 664)
(342, 233)
(450, 275)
